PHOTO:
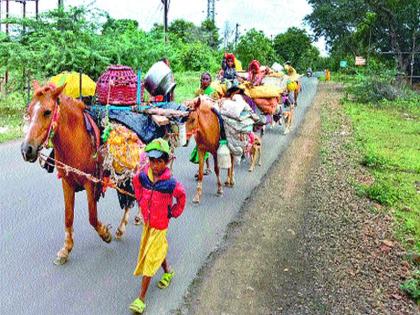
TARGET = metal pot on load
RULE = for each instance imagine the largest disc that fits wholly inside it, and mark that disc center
(159, 80)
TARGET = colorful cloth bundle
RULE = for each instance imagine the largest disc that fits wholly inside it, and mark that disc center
(124, 153)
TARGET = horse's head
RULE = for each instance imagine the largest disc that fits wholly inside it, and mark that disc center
(39, 115)
(192, 122)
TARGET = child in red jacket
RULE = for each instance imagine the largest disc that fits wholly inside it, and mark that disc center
(155, 188)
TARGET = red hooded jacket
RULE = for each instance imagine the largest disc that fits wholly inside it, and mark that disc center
(155, 199)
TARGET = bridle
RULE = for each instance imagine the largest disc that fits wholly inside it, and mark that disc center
(53, 126)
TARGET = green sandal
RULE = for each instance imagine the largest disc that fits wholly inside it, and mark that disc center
(166, 280)
(137, 306)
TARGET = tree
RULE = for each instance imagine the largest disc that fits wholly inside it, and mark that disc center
(186, 31)
(255, 45)
(293, 45)
(386, 26)
(210, 33)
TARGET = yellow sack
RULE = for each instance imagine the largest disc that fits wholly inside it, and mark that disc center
(276, 74)
(238, 65)
(292, 86)
(219, 87)
(72, 80)
(263, 91)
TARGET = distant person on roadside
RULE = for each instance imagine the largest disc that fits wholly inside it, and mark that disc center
(293, 77)
(155, 188)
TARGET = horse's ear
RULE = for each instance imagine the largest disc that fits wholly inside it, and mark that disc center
(35, 85)
(58, 90)
(197, 102)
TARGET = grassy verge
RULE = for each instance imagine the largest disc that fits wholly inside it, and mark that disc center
(12, 106)
(186, 84)
(11, 112)
(388, 137)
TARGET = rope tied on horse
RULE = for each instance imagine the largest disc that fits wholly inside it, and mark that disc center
(106, 182)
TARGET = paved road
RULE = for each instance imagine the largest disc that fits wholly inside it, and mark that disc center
(98, 277)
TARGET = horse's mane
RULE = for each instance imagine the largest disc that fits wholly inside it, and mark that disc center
(72, 102)
(50, 87)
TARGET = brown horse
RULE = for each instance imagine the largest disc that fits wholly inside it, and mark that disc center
(204, 125)
(74, 147)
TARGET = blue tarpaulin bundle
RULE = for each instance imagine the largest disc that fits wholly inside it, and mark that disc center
(141, 124)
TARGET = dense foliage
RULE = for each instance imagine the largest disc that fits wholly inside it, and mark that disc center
(387, 30)
(87, 40)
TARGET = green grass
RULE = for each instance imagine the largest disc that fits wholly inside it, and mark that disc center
(388, 137)
(186, 84)
(11, 113)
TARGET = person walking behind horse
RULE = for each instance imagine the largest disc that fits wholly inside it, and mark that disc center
(228, 74)
(294, 77)
(255, 74)
(154, 188)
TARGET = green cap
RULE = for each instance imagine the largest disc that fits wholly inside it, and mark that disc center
(158, 144)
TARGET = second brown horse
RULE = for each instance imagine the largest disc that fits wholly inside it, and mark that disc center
(204, 125)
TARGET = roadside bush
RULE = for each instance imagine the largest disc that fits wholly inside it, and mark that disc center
(375, 87)
(383, 191)
(374, 161)
(412, 287)
(199, 57)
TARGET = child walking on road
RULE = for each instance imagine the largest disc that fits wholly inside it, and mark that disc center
(155, 188)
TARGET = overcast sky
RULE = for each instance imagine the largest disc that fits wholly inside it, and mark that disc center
(270, 16)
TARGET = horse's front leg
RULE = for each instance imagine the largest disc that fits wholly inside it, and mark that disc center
(63, 253)
(200, 176)
(217, 172)
(102, 230)
(124, 221)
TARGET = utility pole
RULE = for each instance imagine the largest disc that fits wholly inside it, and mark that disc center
(165, 18)
(24, 14)
(60, 3)
(236, 34)
(412, 57)
(211, 10)
(7, 16)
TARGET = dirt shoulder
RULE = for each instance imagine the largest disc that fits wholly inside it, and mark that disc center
(305, 243)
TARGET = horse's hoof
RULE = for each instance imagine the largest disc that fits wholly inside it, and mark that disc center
(58, 261)
(118, 234)
(219, 193)
(250, 169)
(196, 200)
(107, 238)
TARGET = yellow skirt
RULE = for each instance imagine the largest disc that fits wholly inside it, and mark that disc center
(152, 252)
